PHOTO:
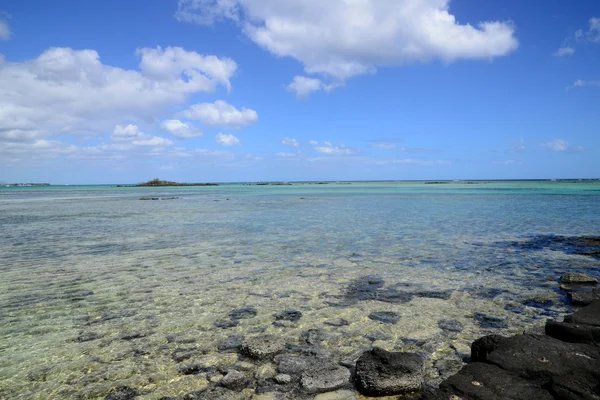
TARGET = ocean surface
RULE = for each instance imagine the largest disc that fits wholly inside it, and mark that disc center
(101, 289)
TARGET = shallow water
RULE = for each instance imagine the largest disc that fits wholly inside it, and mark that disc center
(100, 289)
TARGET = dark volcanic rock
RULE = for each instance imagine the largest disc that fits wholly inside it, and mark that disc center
(484, 346)
(450, 325)
(88, 336)
(541, 358)
(214, 393)
(314, 336)
(387, 317)
(121, 393)
(371, 288)
(263, 347)
(234, 380)
(573, 333)
(292, 364)
(325, 376)
(489, 321)
(227, 323)
(337, 322)
(576, 277)
(584, 298)
(243, 313)
(432, 294)
(589, 315)
(380, 372)
(288, 315)
(480, 381)
(231, 344)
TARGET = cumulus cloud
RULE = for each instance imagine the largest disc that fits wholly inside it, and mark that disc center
(227, 140)
(290, 142)
(564, 51)
(561, 146)
(180, 129)
(131, 133)
(222, 114)
(5, 33)
(313, 142)
(342, 39)
(71, 92)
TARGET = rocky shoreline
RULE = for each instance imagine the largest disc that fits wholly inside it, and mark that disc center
(560, 360)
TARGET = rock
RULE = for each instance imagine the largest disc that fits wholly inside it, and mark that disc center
(234, 380)
(337, 395)
(489, 321)
(288, 315)
(214, 393)
(337, 322)
(432, 294)
(377, 335)
(231, 344)
(589, 315)
(243, 313)
(576, 277)
(226, 323)
(263, 347)
(314, 336)
(121, 393)
(542, 358)
(282, 379)
(371, 288)
(573, 333)
(488, 382)
(265, 371)
(324, 377)
(291, 364)
(584, 298)
(450, 325)
(380, 372)
(484, 346)
(88, 336)
(387, 317)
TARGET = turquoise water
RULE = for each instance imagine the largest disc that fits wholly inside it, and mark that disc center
(99, 288)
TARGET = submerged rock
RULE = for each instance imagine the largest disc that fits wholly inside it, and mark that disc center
(584, 298)
(387, 317)
(489, 321)
(243, 313)
(450, 325)
(384, 373)
(231, 344)
(288, 315)
(576, 277)
(227, 323)
(336, 322)
(325, 376)
(214, 393)
(263, 346)
(121, 393)
(234, 380)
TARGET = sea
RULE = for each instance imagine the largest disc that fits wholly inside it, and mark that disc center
(100, 289)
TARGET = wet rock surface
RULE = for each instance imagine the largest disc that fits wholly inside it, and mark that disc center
(325, 376)
(576, 277)
(562, 364)
(382, 373)
(387, 317)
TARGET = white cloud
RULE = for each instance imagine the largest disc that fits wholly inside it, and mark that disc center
(560, 145)
(330, 149)
(71, 92)
(341, 38)
(564, 51)
(290, 142)
(132, 135)
(286, 155)
(313, 142)
(221, 113)
(506, 162)
(5, 33)
(303, 86)
(180, 129)
(582, 83)
(227, 140)
(383, 146)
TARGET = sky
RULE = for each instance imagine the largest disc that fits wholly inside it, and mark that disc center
(268, 90)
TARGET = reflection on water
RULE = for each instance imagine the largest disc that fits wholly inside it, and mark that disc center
(100, 289)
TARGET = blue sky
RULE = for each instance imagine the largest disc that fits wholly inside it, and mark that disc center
(251, 90)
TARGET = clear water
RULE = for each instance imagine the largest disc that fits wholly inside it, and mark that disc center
(100, 289)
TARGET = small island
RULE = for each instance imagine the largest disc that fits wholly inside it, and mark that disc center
(158, 182)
